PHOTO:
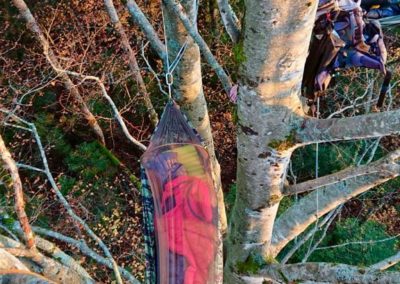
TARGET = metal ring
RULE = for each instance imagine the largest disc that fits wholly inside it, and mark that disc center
(169, 78)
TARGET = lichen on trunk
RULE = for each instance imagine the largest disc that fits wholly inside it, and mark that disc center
(276, 36)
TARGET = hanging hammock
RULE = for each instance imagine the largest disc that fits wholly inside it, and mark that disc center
(179, 204)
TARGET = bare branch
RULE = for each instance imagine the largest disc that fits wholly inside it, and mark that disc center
(147, 29)
(133, 65)
(338, 179)
(10, 165)
(11, 234)
(320, 239)
(179, 11)
(322, 273)
(22, 276)
(386, 263)
(331, 190)
(23, 166)
(349, 128)
(229, 19)
(8, 261)
(311, 233)
(62, 199)
(83, 247)
(153, 72)
(62, 268)
(52, 59)
(368, 242)
(112, 104)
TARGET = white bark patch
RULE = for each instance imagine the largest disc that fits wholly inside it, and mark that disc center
(276, 39)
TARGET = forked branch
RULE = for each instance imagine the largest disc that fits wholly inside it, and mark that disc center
(179, 11)
(52, 59)
(328, 196)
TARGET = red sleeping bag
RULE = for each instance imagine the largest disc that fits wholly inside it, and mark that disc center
(188, 225)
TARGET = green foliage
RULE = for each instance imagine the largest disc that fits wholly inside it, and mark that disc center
(98, 107)
(66, 184)
(348, 231)
(351, 230)
(43, 100)
(52, 135)
(332, 158)
(238, 53)
(135, 181)
(89, 160)
(285, 203)
(230, 197)
(252, 264)
(7, 221)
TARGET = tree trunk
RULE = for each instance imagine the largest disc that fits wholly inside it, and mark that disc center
(276, 39)
(188, 91)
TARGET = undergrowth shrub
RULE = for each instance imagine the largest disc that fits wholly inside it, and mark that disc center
(358, 243)
(91, 159)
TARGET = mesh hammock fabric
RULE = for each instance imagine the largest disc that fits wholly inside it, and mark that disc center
(179, 204)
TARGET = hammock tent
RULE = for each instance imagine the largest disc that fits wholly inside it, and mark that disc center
(176, 168)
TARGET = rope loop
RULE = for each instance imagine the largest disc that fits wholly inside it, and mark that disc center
(169, 78)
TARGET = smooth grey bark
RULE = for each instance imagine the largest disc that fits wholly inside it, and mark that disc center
(335, 189)
(386, 263)
(8, 261)
(36, 262)
(385, 166)
(322, 273)
(83, 247)
(229, 19)
(179, 11)
(188, 91)
(147, 28)
(349, 128)
(276, 37)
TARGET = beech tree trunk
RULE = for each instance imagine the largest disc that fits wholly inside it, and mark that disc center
(271, 125)
(188, 92)
(276, 39)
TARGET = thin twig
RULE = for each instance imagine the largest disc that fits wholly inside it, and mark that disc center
(306, 238)
(61, 197)
(369, 242)
(133, 65)
(328, 224)
(147, 29)
(112, 104)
